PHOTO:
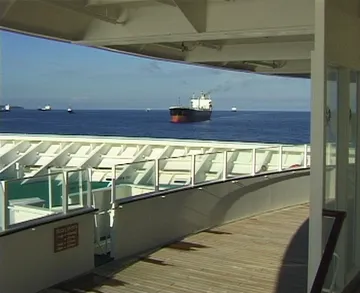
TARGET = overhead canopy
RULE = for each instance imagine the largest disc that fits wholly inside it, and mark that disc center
(267, 36)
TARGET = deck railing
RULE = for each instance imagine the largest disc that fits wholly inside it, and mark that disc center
(61, 191)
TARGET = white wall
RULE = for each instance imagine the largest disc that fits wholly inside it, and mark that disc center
(28, 263)
(146, 224)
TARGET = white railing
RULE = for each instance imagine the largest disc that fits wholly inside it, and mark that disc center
(208, 167)
(59, 192)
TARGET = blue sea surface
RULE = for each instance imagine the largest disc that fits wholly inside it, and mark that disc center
(244, 126)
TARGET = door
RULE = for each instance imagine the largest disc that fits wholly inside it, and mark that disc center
(335, 137)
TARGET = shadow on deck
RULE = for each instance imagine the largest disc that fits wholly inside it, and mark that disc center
(266, 253)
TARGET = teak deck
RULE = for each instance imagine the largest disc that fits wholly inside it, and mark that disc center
(266, 253)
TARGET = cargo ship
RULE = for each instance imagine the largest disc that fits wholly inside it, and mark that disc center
(200, 110)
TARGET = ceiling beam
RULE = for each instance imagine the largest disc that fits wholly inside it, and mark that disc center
(195, 12)
(290, 67)
(224, 21)
(110, 15)
(166, 2)
(115, 2)
(250, 52)
(5, 6)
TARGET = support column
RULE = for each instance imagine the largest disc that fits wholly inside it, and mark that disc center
(317, 185)
(342, 162)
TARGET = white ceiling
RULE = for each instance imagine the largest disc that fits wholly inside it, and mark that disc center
(267, 36)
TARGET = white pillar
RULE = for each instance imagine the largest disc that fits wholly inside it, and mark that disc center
(317, 179)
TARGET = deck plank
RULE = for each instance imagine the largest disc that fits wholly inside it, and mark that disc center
(266, 253)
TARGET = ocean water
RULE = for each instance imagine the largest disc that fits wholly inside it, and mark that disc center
(249, 126)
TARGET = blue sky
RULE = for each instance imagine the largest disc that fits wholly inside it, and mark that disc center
(36, 71)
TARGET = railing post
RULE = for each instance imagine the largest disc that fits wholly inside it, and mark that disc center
(157, 174)
(280, 157)
(253, 167)
(225, 166)
(193, 162)
(89, 188)
(113, 184)
(81, 194)
(65, 193)
(50, 189)
(305, 155)
(5, 206)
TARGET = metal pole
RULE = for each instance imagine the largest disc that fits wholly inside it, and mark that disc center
(113, 184)
(5, 207)
(305, 155)
(193, 161)
(280, 157)
(225, 165)
(50, 189)
(89, 188)
(65, 193)
(157, 174)
(253, 167)
(81, 195)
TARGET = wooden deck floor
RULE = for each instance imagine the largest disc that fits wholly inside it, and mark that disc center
(263, 254)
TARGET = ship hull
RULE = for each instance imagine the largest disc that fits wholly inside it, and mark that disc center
(187, 115)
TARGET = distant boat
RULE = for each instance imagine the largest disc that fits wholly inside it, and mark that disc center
(70, 111)
(148, 110)
(46, 108)
(233, 109)
(6, 108)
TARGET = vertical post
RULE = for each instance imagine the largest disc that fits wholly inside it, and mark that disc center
(317, 178)
(280, 157)
(305, 155)
(17, 168)
(5, 206)
(81, 194)
(225, 166)
(253, 166)
(89, 188)
(193, 162)
(113, 184)
(50, 189)
(342, 163)
(157, 174)
(65, 193)
(357, 172)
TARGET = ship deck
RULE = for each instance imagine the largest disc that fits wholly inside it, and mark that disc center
(266, 253)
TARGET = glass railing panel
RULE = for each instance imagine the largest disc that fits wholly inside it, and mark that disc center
(330, 279)
(329, 276)
(135, 178)
(209, 167)
(239, 163)
(175, 172)
(292, 157)
(267, 160)
(78, 183)
(34, 197)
